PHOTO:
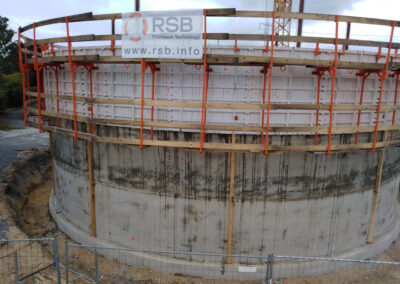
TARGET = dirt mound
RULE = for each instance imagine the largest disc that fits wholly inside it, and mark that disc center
(30, 171)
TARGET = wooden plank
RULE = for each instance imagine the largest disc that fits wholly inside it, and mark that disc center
(253, 14)
(261, 37)
(101, 17)
(217, 59)
(309, 39)
(327, 40)
(227, 36)
(215, 105)
(224, 12)
(312, 16)
(281, 61)
(108, 37)
(375, 197)
(227, 147)
(72, 18)
(218, 12)
(231, 194)
(210, 12)
(327, 17)
(216, 36)
(220, 127)
(89, 37)
(63, 59)
(227, 12)
(25, 38)
(27, 51)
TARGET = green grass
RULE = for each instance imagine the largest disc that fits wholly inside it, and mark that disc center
(4, 126)
(13, 109)
(9, 110)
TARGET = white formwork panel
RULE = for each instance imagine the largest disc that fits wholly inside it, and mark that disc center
(231, 84)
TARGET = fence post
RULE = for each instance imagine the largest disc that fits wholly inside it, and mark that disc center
(96, 266)
(268, 273)
(66, 262)
(16, 267)
(56, 260)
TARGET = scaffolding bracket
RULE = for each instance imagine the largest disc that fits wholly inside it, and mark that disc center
(153, 68)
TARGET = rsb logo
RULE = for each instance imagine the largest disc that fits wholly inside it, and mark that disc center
(138, 26)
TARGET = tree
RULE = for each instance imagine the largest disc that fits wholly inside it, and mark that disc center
(10, 78)
(11, 87)
(8, 49)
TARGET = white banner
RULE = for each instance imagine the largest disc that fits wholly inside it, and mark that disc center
(163, 34)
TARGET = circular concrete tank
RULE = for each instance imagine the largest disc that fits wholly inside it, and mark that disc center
(287, 203)
(169, 196)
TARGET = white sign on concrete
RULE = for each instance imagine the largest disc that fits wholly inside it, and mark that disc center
(163, 34)
(247, 269)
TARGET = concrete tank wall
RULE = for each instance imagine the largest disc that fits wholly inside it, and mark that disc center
(177, 199)
(292, 203)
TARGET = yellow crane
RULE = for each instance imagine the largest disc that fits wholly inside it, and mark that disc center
(282, 25)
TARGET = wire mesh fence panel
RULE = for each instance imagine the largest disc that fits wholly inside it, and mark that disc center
(123, 265)
(28, 261)
(37, 261)
(292, 270)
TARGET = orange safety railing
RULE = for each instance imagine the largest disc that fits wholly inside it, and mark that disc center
(271, 65)
(38, 64)
(382, 75)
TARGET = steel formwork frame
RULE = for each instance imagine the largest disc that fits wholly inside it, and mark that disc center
(283, 24)
(332, 71)
(382, 75)
(39, 65)
(89, 67)
(396, 75)
(153, 68)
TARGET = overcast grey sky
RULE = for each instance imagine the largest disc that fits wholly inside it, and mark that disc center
(23, 12)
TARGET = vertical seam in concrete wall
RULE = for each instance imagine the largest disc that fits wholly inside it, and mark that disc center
(91, 187)
(231, 194)
(376, 193)
(53, 173)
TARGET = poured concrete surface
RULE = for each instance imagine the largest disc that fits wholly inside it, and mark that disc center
(171, 199)
(213, 267)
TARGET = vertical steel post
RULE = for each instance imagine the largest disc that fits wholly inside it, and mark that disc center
(16, 267)
(268, 273)
(396, 75)
(66, 262)
(96, 266)
(271, 65)
(300, 23)
(348, 33)
(56, 260)
(382, 75)
(137, 5)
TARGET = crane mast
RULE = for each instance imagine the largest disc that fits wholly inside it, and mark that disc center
(282, 25)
